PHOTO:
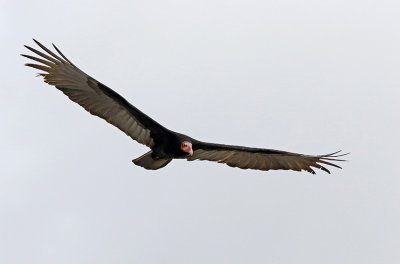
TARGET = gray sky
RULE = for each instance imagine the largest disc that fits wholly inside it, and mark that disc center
(303, 76)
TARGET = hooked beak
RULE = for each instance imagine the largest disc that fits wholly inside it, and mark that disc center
(190, 150)
(187, 147)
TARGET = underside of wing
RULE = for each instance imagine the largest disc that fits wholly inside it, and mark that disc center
(262, 159)
(92, 95)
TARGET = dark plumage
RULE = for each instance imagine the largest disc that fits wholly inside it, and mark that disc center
(165, 144)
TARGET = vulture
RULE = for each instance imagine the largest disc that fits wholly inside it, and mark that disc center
(165, 145)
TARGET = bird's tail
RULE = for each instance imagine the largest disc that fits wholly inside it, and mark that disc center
(146, 161)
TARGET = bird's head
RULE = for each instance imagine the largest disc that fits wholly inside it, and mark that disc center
(186, 146)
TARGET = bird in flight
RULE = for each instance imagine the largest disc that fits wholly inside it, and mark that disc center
(165, 144)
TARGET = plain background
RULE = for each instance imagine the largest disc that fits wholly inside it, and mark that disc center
(305, 76)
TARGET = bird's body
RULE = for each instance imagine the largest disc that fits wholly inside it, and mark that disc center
(165, 144)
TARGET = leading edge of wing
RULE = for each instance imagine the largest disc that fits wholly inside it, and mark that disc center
(263, 159)
(57, 68)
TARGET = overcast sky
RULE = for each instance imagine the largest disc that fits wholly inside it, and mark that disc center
(308, 76)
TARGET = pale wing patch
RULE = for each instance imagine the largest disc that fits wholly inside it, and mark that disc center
(261, 161)
(85, 91)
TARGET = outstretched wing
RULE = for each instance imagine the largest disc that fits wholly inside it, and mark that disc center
(261, 159)
(94, 96)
